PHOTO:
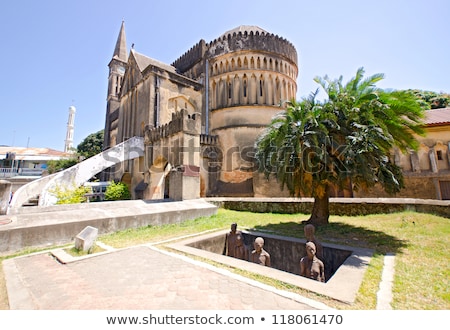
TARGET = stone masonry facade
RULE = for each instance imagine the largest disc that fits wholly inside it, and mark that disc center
(202, 114)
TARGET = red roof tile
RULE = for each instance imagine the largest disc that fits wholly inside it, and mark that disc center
(32, 151)
(437, 117)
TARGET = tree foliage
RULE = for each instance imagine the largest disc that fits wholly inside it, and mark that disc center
(344, 141)
(431, 100)
(54, 166)
(91, 145)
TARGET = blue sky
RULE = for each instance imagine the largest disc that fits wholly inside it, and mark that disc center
(55, 54)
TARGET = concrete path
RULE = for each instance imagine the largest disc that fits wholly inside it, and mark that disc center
(136, 278)
(384, 294)
(140, 277)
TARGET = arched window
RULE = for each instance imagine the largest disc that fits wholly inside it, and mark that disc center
(117, 86)
(214, 95)
(236, 90)
(277, 98)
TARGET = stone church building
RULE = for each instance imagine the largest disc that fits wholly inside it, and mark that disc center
(200, 115)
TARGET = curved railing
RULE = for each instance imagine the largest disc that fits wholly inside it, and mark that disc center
(77, 174)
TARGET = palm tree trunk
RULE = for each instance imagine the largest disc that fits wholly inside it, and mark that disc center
(321, 210)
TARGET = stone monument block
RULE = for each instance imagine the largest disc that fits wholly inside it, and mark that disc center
(86, 238)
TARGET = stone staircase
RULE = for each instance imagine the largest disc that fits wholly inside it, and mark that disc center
(33, 201)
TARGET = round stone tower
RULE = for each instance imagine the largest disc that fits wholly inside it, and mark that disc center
(251, 72)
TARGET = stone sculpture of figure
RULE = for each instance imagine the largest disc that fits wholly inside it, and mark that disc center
(310, 266)
(230, 240)
(309, 234)
(259, 255)
(240, 251)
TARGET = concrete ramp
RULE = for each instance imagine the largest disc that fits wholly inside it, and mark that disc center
(77, 174)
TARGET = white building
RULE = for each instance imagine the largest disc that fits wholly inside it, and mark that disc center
(26, 162)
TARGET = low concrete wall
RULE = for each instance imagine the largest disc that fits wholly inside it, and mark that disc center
(40, 226)
(5, 194)
(61, 226)
(338, 206)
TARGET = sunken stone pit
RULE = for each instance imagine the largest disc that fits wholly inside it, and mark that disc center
(344, 265)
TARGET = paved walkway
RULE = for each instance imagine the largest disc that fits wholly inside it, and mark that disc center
(137, 278)
(140, 277)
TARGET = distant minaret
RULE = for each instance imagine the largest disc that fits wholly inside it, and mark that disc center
(68, 147)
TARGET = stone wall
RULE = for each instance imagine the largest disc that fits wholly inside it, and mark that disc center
(252, 40)
(338, 206)
(5, 194)
(191, 57)
(417, 185)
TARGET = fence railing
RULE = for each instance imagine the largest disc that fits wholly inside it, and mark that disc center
(10, 172)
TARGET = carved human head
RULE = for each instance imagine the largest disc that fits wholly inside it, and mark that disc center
(310, 249)
(259, 243)
(309, 231)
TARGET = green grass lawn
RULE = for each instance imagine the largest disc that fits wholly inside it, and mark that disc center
(421, 243)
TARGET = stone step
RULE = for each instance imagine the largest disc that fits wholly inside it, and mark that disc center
(34, 201)
(28, 204)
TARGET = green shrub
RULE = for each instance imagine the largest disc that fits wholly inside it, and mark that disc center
(117, 191)
(70, 195)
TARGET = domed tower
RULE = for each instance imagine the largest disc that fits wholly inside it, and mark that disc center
(251, 72)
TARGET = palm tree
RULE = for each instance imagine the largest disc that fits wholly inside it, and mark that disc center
(344, 141)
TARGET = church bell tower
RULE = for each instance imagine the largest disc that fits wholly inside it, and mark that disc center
(117, 67)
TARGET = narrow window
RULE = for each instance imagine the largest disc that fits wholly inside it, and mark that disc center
(439, 155)
(245, 88)
(117, 86)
